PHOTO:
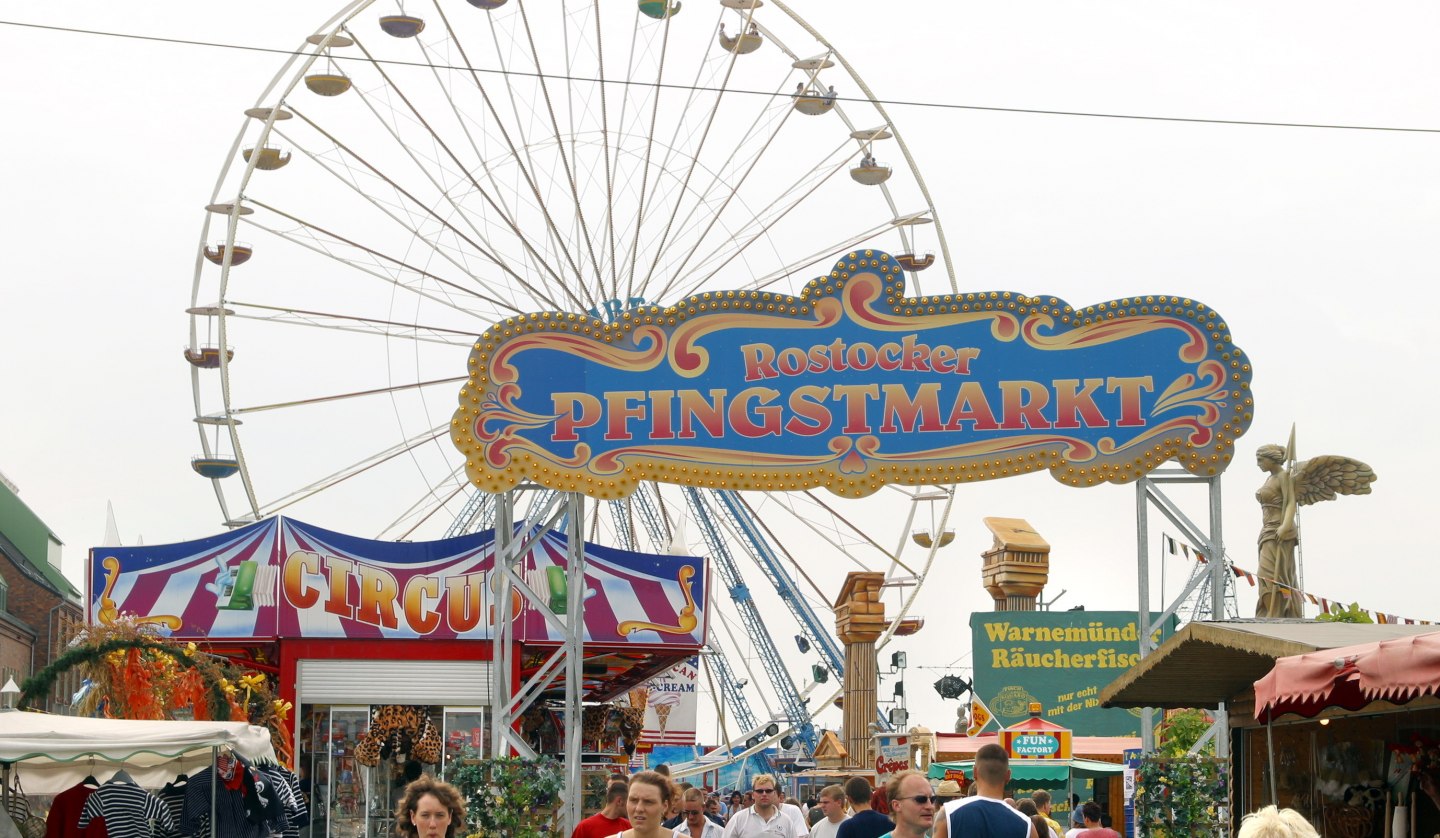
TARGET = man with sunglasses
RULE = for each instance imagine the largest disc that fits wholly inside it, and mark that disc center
(765, 819)
(693, 820)
(912, 805)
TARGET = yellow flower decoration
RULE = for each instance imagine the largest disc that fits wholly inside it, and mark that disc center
(227, 686)
(191, 649)
(253, 681)
(282, 709)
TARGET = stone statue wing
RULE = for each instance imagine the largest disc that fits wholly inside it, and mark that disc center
(1324, 477)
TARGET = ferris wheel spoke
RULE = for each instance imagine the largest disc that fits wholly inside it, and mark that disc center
(497, 194)
(631, 71)
(732, 187)
(380, 257)
(739, 246)
(463, 171)
(432, 500)
(559, 140)
(731, 191)
(351, 323)
(694, 159)
(854, 530)
(780, 546)
(355, 394)
(745, 661)
(522, 155)
(605, 137)
(645, 169)
(435, 217)
(825, 256)
(344, 474)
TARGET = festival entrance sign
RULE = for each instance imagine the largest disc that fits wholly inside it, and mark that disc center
(852, 385)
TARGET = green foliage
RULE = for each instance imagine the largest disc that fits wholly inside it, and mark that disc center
(1353, 614)
(509, 797)
(1183, 796)
(1180, 732)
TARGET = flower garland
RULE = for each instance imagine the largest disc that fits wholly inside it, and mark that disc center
(1181, 796)
(134, 673)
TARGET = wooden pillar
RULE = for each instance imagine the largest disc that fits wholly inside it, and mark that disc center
(859, 622)
(1016, 566)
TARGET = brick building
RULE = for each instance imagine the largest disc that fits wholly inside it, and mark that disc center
(39, 608)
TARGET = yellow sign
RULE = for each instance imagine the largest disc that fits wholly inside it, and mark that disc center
(980, 716)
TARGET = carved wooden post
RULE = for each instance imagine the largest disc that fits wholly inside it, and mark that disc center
(859, 622)
(1017, 565)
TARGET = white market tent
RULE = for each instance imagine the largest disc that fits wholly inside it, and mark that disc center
(53, 753)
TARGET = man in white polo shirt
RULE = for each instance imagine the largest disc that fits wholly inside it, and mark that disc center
(765, 819)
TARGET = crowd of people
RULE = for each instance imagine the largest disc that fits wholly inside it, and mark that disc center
(651, 805)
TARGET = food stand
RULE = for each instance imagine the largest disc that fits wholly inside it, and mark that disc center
(1317, 762)
(1043, 755)
(1377, 713)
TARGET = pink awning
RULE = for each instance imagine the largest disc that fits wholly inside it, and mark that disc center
(1351, 677)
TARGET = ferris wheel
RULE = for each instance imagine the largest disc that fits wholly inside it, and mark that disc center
(418, 171)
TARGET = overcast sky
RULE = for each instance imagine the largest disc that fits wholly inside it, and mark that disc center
(1318, 246)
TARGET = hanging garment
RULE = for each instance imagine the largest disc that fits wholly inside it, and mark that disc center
(293, 814)
(64, 818)
(173, 796)
(230, 815)
(129, 812)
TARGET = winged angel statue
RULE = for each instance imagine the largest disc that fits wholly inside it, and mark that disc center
(1291, 485)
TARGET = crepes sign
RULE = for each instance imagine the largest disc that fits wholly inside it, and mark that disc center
(849, 386)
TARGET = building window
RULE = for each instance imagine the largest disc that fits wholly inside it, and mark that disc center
(4, 595)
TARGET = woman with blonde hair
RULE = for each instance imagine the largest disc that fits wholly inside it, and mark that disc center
(1271, 822)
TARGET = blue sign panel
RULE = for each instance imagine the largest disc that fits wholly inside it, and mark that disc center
(850, 386)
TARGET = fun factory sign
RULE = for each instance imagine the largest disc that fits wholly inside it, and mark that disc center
(1036, 738)
(850, 386)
